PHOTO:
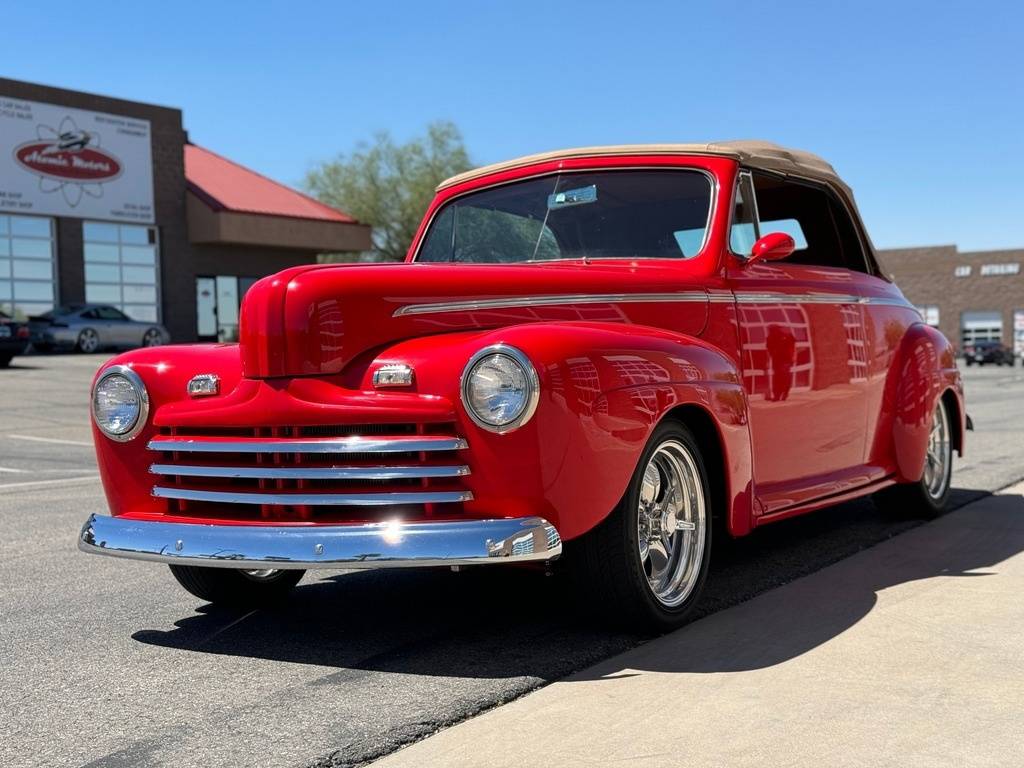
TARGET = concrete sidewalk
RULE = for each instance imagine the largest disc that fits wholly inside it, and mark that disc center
(910, 653)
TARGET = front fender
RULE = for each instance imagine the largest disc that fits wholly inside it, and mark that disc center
(924, 370)
(604, 388)
(124, 467)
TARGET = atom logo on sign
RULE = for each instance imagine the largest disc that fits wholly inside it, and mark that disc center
(69, 161)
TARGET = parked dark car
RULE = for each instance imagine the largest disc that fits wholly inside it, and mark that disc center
(13, 338)
(91, 327)
(982, 352)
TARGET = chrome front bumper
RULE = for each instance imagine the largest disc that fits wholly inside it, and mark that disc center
(377, 545)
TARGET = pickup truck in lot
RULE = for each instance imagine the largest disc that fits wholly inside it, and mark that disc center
(609, 356)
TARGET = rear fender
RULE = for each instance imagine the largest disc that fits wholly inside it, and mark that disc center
(924, 370)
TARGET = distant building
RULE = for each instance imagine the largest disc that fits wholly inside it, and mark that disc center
(104, 200)
(968, 295)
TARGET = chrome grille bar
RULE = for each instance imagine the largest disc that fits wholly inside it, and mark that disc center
(354, 444)
(311, 473)
(314, 499)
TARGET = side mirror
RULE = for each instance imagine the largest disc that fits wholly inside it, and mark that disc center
(774, 246)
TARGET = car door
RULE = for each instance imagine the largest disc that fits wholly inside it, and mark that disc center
(90, 318)
(119, 330)
(802, 342)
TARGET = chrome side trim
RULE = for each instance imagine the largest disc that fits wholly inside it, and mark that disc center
(354, 444)
(771, 297)
(780, 297)
(311, 473)
(377, 545)
(314, 499)
(762, 297)
(551, 300)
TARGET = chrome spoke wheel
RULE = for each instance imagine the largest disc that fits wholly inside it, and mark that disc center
(671, 525)
(939, 458)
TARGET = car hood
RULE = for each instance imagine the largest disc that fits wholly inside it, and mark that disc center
(317, 320)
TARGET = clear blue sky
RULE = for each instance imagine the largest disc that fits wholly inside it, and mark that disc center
(920, 106)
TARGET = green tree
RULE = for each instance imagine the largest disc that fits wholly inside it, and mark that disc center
(389, 185)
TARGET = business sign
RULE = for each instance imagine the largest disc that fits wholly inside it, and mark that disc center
(59, 161)
(988, 270)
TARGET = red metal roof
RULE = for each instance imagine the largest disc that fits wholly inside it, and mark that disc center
(228, 186)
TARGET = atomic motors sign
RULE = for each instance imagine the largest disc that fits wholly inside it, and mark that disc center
(68, 162)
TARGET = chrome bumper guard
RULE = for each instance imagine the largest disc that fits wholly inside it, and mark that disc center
(376, 545)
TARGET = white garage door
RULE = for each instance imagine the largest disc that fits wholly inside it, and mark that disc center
(981, 326)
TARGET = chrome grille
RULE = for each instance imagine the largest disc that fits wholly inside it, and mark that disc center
(349, 472)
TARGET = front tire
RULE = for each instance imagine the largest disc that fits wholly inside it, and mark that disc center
(646, 564)
(237, 588)
(929, 496)
(153, 338)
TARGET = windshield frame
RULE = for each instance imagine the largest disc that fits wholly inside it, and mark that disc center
(596, 168)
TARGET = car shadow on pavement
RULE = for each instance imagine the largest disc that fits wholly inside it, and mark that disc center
(505, 622)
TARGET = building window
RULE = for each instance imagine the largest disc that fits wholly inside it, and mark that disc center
(930, 314)
(121, 268)
(27, 262)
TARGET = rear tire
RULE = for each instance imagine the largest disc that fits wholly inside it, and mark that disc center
(928, 497)
(5, 360)
(236, 588)
(646, 564)
(88, 341)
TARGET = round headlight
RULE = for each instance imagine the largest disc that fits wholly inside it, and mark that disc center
(500, 388)
(120, 403)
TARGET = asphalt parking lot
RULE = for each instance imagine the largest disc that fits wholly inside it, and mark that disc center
(108, 663)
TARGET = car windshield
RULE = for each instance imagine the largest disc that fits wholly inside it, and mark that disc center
(650, 214)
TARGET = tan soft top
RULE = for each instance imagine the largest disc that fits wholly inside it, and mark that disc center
(752, 154)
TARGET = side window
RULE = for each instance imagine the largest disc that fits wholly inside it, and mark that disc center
(824, 234)
(853, 252)
(90, 314)
(743, 232)
(110, 313)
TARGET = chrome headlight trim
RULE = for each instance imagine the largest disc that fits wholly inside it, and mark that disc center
(140, 388)
(532, 380)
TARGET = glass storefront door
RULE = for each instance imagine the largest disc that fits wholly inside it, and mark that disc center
(218, 299)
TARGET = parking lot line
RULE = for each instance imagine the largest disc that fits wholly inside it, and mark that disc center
(60, 481)
(35, 439)
(12, 469)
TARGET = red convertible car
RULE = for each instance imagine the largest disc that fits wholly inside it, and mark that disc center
(624, 351)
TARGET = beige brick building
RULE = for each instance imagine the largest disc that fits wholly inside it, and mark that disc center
(968, 295)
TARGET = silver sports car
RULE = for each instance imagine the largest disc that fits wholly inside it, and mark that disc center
(91, 327)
